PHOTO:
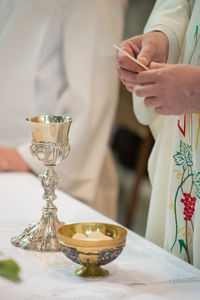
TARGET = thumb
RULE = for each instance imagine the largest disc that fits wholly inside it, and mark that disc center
(155, 65)
(145, 56)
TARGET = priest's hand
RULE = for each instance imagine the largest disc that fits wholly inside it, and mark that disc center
(152, 46)
(170, 89)
(10, 160)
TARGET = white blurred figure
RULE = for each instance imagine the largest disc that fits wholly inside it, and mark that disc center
(57, 57)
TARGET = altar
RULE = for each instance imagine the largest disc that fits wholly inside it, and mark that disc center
(143, 271)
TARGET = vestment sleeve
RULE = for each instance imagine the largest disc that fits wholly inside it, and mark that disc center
(170, 17)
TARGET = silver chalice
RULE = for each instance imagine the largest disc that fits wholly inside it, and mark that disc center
(50, 146)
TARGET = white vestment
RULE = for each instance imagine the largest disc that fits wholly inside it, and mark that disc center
(174, 165)
(57, 57)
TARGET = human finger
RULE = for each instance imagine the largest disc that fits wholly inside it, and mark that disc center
(131, 47)
(146, 52)
(152, 102)
(130, 88)
(147, 77)
(155, 65)
(127, 75)
(162, 111)
(126, 63)
(144, 58)
(129, 83)
(148, 90)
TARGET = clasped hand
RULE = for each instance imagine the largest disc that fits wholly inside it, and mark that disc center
(169, 89)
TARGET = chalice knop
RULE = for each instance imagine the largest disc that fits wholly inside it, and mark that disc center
(50, 145)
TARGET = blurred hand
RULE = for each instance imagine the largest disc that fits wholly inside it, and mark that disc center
(10, 160)
(170, 89)
(152, 46)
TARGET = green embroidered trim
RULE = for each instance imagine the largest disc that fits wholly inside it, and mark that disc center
(196, 34)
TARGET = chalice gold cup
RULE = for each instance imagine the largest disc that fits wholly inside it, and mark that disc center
(92, 254)
(50, 146)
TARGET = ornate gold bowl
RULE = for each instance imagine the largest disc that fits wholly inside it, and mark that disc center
(92, 254)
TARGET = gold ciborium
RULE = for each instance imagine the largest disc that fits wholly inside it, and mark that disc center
(50, 146)
(92, 254)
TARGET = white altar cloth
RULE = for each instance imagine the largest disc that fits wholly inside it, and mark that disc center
(142, 272)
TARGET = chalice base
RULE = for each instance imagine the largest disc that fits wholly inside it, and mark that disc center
(91, 271)
(40, 236)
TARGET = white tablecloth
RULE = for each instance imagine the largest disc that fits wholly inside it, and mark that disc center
(142, 272)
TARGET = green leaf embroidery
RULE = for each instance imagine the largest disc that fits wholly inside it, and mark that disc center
(183, 245)
(197, 184)
(9, 269)
(184, 157)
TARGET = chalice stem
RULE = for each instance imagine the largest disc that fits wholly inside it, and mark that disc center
(49, 181)
(50, 221)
